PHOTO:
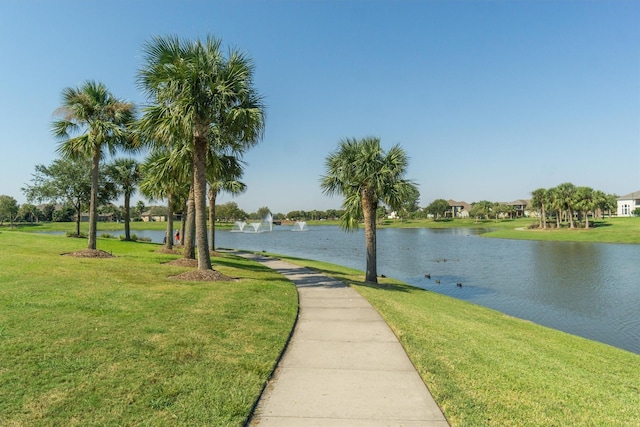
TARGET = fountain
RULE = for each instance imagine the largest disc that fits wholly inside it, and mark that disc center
(255, 227)
(300, 226)
(238, 227)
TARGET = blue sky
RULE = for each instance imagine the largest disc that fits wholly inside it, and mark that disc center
(490, 99)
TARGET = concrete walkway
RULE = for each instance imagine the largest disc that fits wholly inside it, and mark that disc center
(343, 365)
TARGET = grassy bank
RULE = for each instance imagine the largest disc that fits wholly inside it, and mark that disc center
(614, 230)
(610, 230)
(116, 342)
(488, 369)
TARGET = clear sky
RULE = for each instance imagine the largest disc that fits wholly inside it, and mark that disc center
(490, 99)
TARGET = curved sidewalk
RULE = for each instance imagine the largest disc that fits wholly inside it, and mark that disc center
(343, 365)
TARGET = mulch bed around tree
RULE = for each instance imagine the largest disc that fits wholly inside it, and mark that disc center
(197, 275)
(203, 276)
(90, 253)
(183, 262)
(164, 250)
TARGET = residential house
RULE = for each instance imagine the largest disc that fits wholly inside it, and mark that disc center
(155, 214)
(102, 217)
(458, 209)
(628, 203)
(520, 207)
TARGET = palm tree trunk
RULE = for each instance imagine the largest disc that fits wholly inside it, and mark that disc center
(541, 214)
(212, 218)
(544, 218)
(586, 219)
(168, 243)
(93, 208)
(200, 199)
(188, 234)
(369, 211)
(78, 206)
(127, 216)
(571, 224)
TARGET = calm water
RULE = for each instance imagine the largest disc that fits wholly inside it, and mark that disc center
(587, 289)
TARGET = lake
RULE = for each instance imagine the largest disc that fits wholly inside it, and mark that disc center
(587, 289)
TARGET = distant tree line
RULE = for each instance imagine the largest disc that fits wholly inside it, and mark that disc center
(67, 184)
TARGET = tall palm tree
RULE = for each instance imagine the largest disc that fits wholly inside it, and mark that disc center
(365, 175)
(99, 122)
(197, 92)
(126, 175)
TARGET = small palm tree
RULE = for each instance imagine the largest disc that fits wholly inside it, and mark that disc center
(365, 175)
(126, 175)
(99, 121)
(165, 177)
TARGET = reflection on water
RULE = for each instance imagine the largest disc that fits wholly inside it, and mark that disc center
(587, 289)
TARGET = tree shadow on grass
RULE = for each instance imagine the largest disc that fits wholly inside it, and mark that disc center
(599, 224)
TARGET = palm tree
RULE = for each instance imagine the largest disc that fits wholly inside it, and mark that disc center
(365, 176)
(555, 204)
(565, 194)
(126, 174)
(197, 93)
(539, 202)
(585, 202)
(100, 122)
(223, 174)
(165, 175)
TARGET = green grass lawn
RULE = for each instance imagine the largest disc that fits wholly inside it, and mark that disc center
(485, 368)
(115, 342)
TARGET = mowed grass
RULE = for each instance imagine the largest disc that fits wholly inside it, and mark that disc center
(611, 230)
(116, 342)
(485, 368)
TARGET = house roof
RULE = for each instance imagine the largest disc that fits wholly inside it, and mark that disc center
(630, 196)
(155, 211)
(522, 202)
(464, 205)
